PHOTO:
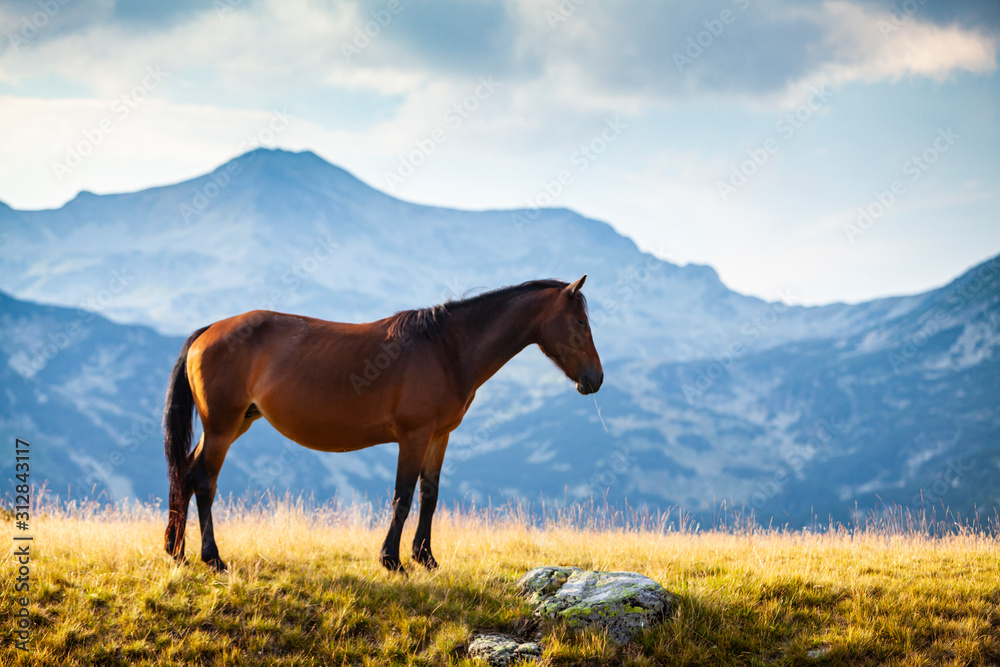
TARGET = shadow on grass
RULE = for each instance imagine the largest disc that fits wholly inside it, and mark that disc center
(288, 616)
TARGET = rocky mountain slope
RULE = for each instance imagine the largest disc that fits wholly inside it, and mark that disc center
(710, 395)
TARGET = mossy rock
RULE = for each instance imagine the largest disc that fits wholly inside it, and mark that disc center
(502, 650)
(620, 602)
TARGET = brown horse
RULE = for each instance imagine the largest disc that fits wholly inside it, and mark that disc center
(336, 387)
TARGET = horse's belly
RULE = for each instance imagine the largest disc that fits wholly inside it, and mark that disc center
(326, 432)
(330, 436)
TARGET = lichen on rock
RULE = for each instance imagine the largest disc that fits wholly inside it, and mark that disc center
(620, 602)
(501, 650)
(543, 582)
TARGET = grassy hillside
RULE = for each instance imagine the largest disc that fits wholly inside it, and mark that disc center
(304, 588)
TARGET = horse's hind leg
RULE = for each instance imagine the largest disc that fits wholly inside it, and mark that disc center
(202, 478)
(177, 522)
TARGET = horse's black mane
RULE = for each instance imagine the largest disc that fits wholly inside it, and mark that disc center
(430, 322)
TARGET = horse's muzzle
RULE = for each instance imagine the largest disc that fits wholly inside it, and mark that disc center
(590, 381)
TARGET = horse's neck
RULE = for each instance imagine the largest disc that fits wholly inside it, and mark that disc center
(491, 341)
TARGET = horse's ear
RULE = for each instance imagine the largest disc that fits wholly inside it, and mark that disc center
(574, 288)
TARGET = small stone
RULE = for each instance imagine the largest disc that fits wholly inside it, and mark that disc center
(501, 650)
(818, 653)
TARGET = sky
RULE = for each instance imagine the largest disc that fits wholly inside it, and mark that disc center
(809, 151)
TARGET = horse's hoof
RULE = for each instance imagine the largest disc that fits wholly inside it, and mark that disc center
(426, 559)
(174, 551)
(392, 564)
(216, 564)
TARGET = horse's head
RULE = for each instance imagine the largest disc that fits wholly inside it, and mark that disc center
(564, 336)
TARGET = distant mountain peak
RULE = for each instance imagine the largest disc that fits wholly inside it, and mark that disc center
(284, 169)
(710, 393)
(281, 159)
(278, 155)
(84, 195)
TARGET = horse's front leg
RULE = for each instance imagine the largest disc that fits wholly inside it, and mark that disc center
(430, 476)
(412, 448)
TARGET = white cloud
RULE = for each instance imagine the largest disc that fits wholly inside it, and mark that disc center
(593, 61)
(872, 46)
(622, 59)
(558, 84)
(286, 45)
(159, 142)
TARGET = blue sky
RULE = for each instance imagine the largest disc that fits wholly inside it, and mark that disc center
(812, 151)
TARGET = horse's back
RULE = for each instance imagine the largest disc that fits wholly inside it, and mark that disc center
(327, 385)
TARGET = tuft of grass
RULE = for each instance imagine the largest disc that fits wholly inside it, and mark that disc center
(305, 588)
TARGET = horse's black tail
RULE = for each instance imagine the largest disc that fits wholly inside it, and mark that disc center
(178, 416)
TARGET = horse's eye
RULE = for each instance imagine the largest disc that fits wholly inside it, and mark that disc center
(582, 323)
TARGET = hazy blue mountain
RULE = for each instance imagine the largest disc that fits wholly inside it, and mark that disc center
(291, 232)
(803, 429)
(88, 395)
(710, 395)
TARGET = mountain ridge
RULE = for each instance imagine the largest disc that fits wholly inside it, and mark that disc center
(346, 220)
(708, 393)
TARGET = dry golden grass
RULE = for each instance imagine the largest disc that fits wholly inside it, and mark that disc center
(304, 588)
